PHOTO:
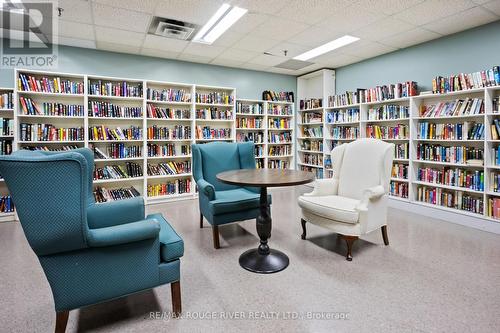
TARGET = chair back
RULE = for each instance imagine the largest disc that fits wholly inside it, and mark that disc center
(362, 164)
(50, 191)
(209, 159)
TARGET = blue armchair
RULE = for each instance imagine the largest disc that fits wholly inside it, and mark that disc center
(222, 203)
(90, 253)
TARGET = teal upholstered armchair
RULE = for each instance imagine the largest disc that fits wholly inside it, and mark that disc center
(222, 203)
(90, 253)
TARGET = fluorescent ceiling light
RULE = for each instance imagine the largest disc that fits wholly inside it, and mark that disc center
(330, 46)
(222, 20)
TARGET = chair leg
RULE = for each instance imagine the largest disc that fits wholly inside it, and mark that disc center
(349, 240)
(61, 321)
(303, 222)
(175, 288)
(201, 220)
(215, 232)
(384, 235)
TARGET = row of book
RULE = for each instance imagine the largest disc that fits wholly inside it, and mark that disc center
(249, 122)
(178, 132)
(312, 117)
(101, 194)
(457, 82)
(279, 96)
(105, 133)
(156, 112)
(169, 168)
(6, 100)
(400, 131)
(110, 110)
(494, 208)
(402, 151)
(278, 164)
(495, 129)
(459, 107)
(118, 89)
(45, 84)
(399, 189)
(456, 131)
(450, 154)
(280, 110)
(281, 123)
(284, 137)
(259, 151)
(6, 126)
(279, 150)
(327, 163)
(206, 132)
(6, 204)
(167, 150)
(45, 148)
(311, 103)
(130, 170)
(48, 132)
(314, 145)
(347, 98)
(399, 170)
(260, 163)
(313, 159)
(214, 98)
(470, 179)
(450, 199)
(169, 95)
(375, 94)
(178, 186)
(495, 155)
(5, 147)
(389, 112)
(344, 132)
(496, 105)
(214, 113)
(116, 151)
(257, 137)
(312, 132)
(249, 108)
(29, 107)
(317, 171)
(342, 116)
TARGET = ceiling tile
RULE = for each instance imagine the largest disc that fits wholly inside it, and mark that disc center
(389, 7)
(119, 18)
(76, 11)
(228, 38)
(408, 38)
(292, 49)
(464, 20)
(226, 62)
(164, 44)
(433, 10)
(85, 43)
(267, 60)
(493, 6)
(315, 36)
(257, 44)
(145, 6)
(278, 28)
(282, 71)
(480, 2)
(249, 22)
(262, 6)
(116, 36)
(338, 60)
(238, 55)
(366, 49)
(203, 50)
(310, 68)
(382, 29)
(75, 30)
(312, 11)
(350, 18)
(159, 53)
(191, 11)
(195, 58)
(120, 48)
(254, 67)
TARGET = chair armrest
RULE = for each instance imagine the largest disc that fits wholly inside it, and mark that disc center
(115, 212)
(206, 188)
(370, 194)
(324, 187)
(123, 233)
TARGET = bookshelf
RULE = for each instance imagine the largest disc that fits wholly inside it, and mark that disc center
(7, 144)
(251, 124)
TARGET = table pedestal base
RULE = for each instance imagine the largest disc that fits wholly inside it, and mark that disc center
(272, 262)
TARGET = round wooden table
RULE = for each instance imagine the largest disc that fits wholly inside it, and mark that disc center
(263, 259)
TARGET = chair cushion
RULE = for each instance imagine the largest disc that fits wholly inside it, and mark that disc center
(171, 244)
(332, 207)
(235, 200)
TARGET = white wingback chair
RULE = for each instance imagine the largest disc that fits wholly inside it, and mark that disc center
(354, 201)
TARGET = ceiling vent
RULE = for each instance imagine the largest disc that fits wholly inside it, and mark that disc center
(293, 64)
(174, 29)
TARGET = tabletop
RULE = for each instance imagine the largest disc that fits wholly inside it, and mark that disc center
(266, 177)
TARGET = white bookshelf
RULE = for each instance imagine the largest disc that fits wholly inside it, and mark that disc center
(7, 112)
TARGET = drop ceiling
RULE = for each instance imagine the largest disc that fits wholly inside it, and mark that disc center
(271, 26)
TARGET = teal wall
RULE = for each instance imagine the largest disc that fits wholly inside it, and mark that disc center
(248, 83)
(466, 52)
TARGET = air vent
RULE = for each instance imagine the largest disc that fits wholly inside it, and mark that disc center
(169, 28)
(294, 64)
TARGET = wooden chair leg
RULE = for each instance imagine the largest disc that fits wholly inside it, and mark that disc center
(215, 232)
(201, 220)
(303, 222)
(61, 321)
(175, 288)
(384, 235)
(349, 240)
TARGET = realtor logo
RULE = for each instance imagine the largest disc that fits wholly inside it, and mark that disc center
(28, 30)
